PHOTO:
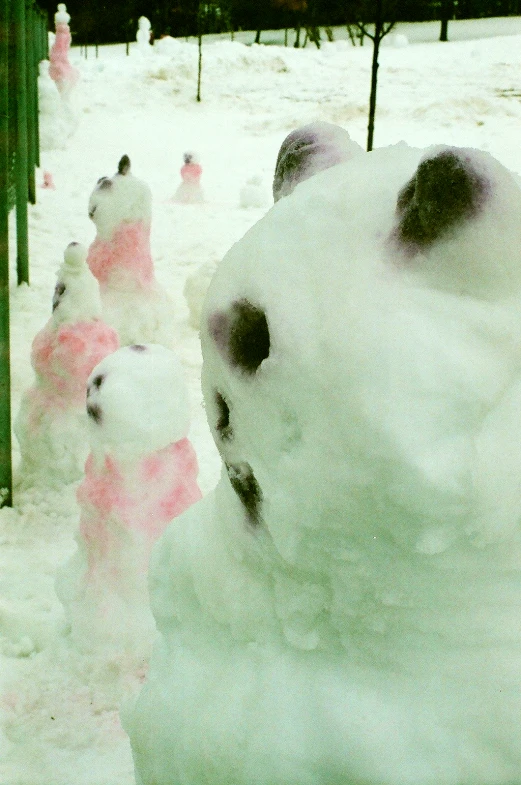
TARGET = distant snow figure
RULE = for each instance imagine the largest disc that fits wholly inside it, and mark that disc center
(399, 40)
(121, 259)
(60, 69)
(51, 425)
(56, 120)
(143, 34)
(189, 190)
(48, 181)
(309, 150)
(253, 193)
(141, 473)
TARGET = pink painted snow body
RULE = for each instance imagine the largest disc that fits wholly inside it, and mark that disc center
(60, 69)
(51, 426)
(189, 191)
(120, 257)
(141, 473)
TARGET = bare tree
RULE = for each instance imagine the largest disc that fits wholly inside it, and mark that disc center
(200, 49)
(374, 12)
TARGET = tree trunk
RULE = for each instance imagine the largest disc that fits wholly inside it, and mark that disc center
(446, 13)
(257, 36)
(200, 62)
(297, 36)
(374, 74)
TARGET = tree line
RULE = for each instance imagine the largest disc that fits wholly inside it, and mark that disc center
(98, 22)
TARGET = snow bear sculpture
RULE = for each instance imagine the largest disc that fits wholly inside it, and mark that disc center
(51, 425)
(121, 259)
(344, 608)
(140, 474)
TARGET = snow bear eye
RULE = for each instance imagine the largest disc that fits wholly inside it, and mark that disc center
(223, 426)
(94, 412)
(445, 191)
(59, 291)
(247, 489)
(138, 347)
(242, 335)
(98, 381)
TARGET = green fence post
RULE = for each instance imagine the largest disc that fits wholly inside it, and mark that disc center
(22, 239)
(30, 65)
(37, 56)
(6, 481)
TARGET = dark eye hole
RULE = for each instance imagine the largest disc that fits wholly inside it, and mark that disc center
(59, 291)
(242, 335)
(223, 426)
(247, 489)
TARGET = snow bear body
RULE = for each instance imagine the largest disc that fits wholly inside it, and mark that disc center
(344, 608)
(121, 259)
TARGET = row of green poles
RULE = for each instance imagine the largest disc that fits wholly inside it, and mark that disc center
(23, 44)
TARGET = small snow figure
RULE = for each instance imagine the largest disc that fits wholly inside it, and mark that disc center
(310, 150)
(51, 425)
(60, 69)
(121, 259)
(345, 606)
(253, 193)
(143, 35)
(56, 120)
(141, 473)
(48, 181)
(189, 190)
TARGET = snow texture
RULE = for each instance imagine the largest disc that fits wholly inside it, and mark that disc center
(344, 607)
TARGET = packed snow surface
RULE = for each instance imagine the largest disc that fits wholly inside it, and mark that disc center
(60, 706)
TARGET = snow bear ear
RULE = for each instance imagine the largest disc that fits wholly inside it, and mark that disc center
(446, 190)
(124, 165)
(310, 150)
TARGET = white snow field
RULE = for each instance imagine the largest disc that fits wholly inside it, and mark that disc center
(59, 704)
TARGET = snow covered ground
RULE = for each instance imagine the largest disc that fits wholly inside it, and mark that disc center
(59, 708)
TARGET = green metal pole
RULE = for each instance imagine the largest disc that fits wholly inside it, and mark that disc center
(31, 119)
(37, 56)
(6, 479)
(22, 234)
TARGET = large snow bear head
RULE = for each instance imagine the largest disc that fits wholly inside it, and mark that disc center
(362, 360)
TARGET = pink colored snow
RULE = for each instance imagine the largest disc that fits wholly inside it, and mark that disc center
(143, 498)
(124, 258)
(60, 70)
(63, 359)
(191, 173)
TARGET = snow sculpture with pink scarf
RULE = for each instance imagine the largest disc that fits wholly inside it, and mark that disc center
(60, 69)
(51, 425)
(140, 474)
(189, 190)
(120, 257)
